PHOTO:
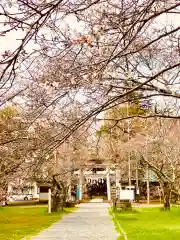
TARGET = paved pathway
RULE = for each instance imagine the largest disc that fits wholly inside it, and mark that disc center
(90, 222)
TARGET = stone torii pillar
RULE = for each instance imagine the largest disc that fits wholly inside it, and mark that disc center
(108, 184)
(118, 177)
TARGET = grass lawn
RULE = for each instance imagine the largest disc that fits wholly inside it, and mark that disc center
(18, 222)
(150, 224)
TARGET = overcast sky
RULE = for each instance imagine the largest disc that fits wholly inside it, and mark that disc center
(11, 42)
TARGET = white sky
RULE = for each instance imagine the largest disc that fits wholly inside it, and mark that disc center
(12, 39)
(11, 42)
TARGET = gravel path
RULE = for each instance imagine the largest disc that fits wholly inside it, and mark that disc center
(90, 222)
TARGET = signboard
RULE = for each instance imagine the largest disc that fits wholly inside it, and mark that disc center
(126, 195)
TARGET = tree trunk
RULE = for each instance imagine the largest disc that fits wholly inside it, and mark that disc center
(167, 194)
(56, 203)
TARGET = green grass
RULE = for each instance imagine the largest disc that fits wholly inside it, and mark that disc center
(150, 224)
(18, 222)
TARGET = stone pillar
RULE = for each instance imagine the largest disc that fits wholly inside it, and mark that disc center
(35, 191)
(118, 177)
(49, 200)
(108, 184)
(10, 188)
(118, 183)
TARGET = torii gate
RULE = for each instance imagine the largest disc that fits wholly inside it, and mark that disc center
(106, 174)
